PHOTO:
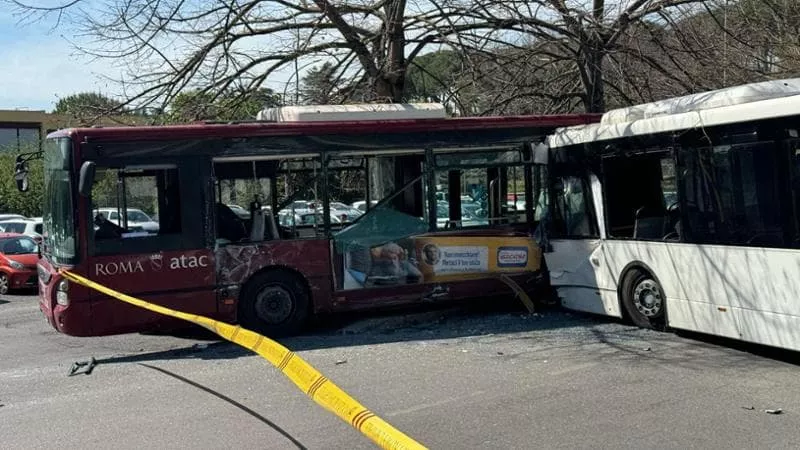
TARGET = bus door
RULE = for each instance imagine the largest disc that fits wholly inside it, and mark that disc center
(146, 239)
(570, 212)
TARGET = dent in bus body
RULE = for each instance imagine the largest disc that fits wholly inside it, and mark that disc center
(576, 236)
(238, 263)
(392, 245)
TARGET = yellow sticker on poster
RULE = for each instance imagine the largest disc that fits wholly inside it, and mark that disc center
(455, 257)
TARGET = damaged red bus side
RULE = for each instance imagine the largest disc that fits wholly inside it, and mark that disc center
(156, 212)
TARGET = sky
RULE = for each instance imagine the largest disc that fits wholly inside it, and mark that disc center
(39, 65)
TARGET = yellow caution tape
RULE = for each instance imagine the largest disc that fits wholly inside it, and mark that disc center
(306, 377)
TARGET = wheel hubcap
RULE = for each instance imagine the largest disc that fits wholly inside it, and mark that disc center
(274, 304)
(648, 299)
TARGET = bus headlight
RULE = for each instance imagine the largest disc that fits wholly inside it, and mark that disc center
(44, 274)
(62, 288)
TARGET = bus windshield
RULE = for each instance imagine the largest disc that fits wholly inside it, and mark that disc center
(57, 210)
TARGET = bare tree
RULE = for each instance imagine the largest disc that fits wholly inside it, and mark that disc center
(567, 45)
(218, 46)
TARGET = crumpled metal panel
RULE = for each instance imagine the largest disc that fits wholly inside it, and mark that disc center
(236, 263)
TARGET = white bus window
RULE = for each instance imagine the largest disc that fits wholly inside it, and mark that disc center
(733, 195)
(641, 196)
(571, 212)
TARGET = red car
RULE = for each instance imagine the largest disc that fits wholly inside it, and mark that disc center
(18, 257)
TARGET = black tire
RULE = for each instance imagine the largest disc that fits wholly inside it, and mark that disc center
(275, 303)
(644, 300)
(5, 285)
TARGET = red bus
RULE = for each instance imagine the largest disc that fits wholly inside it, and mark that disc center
(251, 222)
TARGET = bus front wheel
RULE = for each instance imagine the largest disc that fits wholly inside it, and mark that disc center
(274, 303)
(644, 300)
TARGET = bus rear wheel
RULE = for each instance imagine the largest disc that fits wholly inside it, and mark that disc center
(644, 300)
(274, 303)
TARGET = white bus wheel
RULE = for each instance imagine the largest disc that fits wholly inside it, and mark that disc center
(644, 300)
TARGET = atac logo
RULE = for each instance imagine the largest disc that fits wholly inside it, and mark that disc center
(512, 256)
(156, 262)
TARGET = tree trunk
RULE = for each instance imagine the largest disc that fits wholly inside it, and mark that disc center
(592, 77)
(390, 87)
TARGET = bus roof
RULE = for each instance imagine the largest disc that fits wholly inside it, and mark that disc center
(755, 101)
(367, 111)
(315, 128)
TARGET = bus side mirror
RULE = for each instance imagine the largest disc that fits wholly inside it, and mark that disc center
(21, 174)
(86, 179)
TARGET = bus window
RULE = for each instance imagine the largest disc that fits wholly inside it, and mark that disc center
(733, 195)
(641, 197)
(376, 249)
(298, 198)
(571, 212)
(242, 201)
(480, 188)
(135, 203)
(347, 189)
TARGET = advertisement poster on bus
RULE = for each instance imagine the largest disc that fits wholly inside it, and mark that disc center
(431, 258)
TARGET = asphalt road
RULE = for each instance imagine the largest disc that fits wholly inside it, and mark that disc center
(451, 379)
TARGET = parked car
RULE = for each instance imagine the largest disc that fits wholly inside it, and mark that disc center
(137, 219)
(348, 213)
(361, 205)
(18, 257)
(12, 217)
(471, 215)
(28, 227)
(303, 217)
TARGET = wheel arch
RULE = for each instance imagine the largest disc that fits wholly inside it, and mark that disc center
(627, 270)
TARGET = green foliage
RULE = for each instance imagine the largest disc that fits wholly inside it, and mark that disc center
(29, 203)
(88, 104)
(319, 86)
(433, 75)
(194, 105)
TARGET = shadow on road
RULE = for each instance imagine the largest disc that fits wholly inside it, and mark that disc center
(495, 321)
(3, 301)
(232, 402)
(356, 329)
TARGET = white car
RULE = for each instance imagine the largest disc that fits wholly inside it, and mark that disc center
(12, 217)
(137, 219)
(348, 212)
(361, 205)
(29, 227)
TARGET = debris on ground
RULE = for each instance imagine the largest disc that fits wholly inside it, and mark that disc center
(749, 408)
(87, 366)
(774, 411)
(648, 349)
(500, 353)
(341, 361)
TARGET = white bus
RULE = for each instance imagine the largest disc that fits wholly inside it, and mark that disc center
(683, 214)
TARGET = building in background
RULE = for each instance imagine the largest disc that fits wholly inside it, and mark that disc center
(21, 128)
